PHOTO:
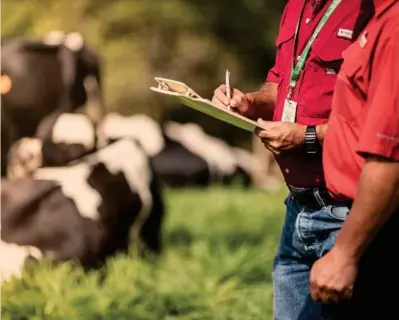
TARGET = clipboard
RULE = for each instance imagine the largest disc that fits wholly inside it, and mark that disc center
(187, 96)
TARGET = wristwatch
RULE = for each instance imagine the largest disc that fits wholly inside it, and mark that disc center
(311, 143)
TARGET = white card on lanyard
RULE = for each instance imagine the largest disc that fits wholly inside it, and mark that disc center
(289, 111)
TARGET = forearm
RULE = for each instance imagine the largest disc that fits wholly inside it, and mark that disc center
(376, 200)
(262, 102)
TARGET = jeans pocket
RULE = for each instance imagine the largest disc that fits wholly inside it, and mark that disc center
(338, 212)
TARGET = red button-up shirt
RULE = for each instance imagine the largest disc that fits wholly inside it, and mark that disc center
(365, 111)
(315, 86)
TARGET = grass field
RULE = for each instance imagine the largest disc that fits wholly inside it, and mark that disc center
(219, 246)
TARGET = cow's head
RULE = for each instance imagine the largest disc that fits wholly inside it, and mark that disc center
(84, 81)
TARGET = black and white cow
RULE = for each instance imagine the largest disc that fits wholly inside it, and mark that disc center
(226, 163)
(82, 75)
(175, 165)
(59, 139)
(41, 76)
(85, 212)
(182, 154)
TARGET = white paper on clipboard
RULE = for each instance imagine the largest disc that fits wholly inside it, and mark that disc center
(190, 98)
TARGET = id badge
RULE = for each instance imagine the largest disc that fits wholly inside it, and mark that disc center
(289, 111)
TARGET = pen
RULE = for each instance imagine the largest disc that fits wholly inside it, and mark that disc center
(228, 88)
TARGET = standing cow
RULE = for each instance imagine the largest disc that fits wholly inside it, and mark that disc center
(40, 76)
(85, 212)
(81, 75)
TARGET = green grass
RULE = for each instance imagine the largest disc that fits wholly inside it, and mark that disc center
(219, 247)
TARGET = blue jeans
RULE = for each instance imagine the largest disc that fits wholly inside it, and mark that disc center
(306, 236)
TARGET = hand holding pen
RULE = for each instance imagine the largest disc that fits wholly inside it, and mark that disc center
(231, 98)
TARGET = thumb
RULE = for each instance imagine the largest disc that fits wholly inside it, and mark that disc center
(267, 125)
(263, 123)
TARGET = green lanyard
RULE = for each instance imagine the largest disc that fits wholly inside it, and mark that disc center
(297, 69)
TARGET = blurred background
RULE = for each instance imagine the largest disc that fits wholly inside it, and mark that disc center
(220, 241)
(187, 40)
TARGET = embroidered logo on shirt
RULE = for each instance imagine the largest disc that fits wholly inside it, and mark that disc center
(330, 71)
(345, 33)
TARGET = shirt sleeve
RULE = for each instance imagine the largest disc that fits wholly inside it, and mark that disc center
(380, 133)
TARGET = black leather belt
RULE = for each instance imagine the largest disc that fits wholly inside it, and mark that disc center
(316, 198)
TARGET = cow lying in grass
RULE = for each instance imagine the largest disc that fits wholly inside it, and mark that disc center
(84, 212)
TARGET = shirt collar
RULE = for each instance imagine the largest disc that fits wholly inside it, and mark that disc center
(317, 5)
(381, 5)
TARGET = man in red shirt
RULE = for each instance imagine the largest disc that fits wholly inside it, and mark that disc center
(295, 104)
(361, 162)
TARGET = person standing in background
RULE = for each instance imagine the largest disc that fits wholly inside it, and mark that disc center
(295, 104)
(361, 163)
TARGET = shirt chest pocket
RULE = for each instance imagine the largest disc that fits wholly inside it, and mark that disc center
(285, 47)
(355, 74)
(320, 75)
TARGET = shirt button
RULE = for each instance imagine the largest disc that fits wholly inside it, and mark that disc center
(307, 20)
(287, 171)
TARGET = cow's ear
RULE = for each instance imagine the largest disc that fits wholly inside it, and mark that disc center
(74, 41)
(54, 37)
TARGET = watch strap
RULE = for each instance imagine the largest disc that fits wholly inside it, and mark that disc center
(311, 142)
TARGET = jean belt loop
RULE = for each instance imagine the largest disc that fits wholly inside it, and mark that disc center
(293, 193)
(318, 198)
